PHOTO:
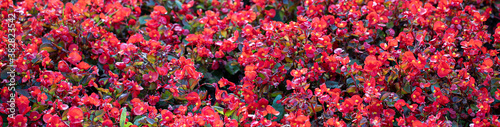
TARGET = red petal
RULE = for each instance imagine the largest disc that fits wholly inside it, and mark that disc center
(74, 57)
(487, 62)
(83, 65)
(271, 110)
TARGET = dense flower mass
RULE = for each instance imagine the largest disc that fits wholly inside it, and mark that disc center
(233, 63)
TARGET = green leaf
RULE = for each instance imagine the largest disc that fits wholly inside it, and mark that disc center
(151, 58)
(47, 47)
(223, 33)
(99, 114)
(276, 93)
(280, 108)
(278, 16)
(384, 96)
(123, 117)
(351, 89)
(142, 19)
(122, 98)
(138, 118)
(229, 113)
(138, 63)
(406, 89)
(474, 107)
(355, 61)
(200, 7)
(381, 33)
(27, 94)
(276, 99)
(4, 74)
(186, 25)
(220, 110)
(350, 81)
(128, 124)
(261, 75)
(150, 121)
(495, 81)
(179, 4)
(232, 67)
(269, 7)
(150, 3)
(390, 25)
(332, 84)
(166, 96)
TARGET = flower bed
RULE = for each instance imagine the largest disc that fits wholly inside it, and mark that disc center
(250, 63)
